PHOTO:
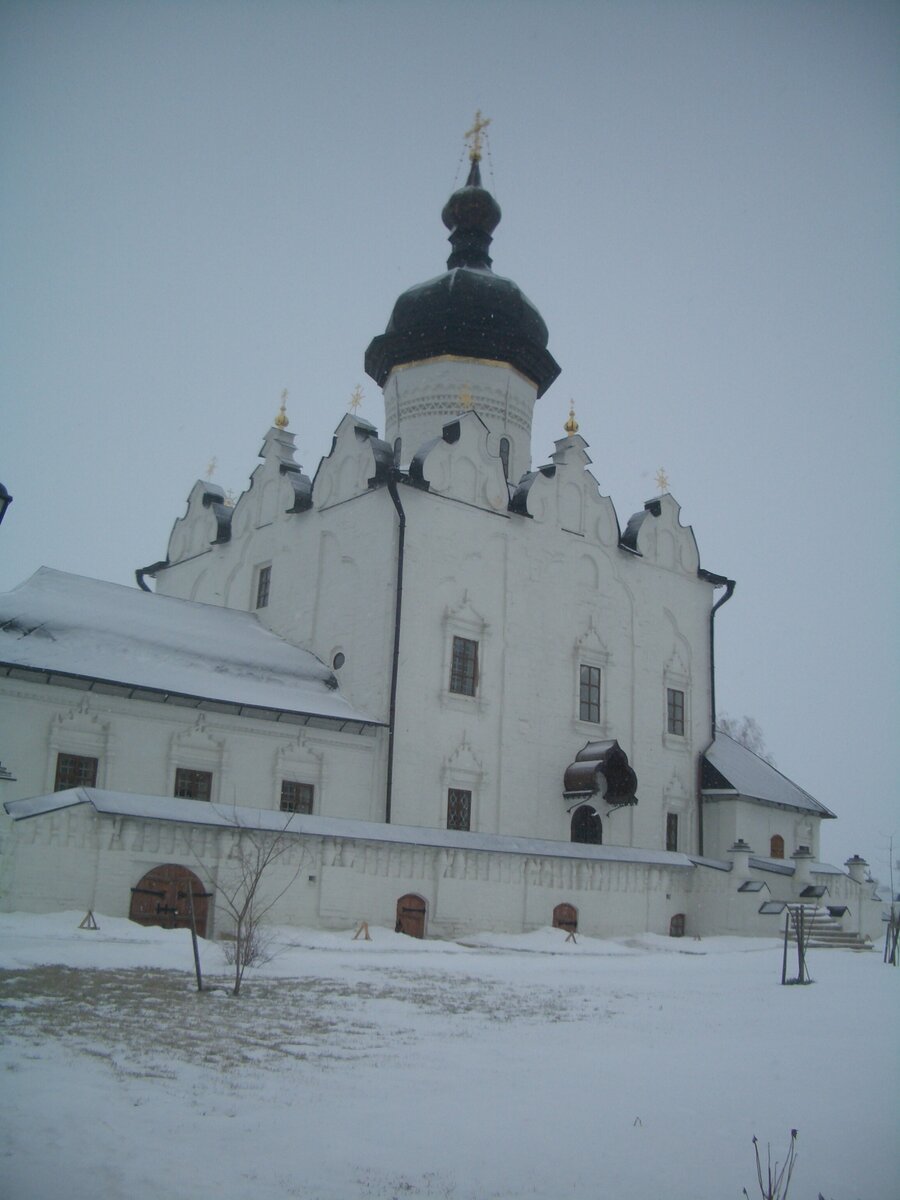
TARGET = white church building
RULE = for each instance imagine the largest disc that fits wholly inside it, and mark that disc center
(473, 700)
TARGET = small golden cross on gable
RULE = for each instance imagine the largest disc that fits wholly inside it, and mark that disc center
(356, 397)
(473, 136)
(662, 480)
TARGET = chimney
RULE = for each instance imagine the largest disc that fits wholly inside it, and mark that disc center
(802, 857)
(856, 868)
(740, 858)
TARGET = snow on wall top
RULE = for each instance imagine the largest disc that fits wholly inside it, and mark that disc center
(200, 812)
(71, 625)
(757, 779)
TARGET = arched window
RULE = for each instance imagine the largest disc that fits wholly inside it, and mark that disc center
(586, 826)
(776, 846)
(504, 455)
(398, 443)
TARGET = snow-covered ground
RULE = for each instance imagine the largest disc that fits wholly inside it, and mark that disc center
(514, 1067)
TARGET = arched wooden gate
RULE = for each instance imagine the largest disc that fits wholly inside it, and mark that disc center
(411, 916)
(565, 916)
(163, 897)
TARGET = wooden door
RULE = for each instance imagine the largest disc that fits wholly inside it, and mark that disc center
(411, 916)
(163, 898)
(565, 916)
(676, 925)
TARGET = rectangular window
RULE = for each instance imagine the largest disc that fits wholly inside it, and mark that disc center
(671, 831)
(589, 695)
(675, 711)
(193, 785)
(263, 582)
(75, 770)
(464, 667)
(296, 797)
(459, 808)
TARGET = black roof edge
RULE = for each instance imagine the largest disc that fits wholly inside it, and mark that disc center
(712, 577)
(240, 709)
(140, 572)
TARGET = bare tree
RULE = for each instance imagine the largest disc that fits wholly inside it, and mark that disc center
(745, 730)
(242, 887)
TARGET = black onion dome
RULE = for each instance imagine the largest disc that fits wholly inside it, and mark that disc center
(469, 311)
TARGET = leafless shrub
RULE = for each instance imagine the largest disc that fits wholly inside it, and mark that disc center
(240, 889)
(776, 1183)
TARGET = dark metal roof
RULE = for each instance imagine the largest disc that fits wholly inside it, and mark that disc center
(606, 758)
(468, 311)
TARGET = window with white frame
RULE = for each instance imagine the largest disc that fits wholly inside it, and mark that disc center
(671, 831)
(589, 680)
(75, 770)
(459, 808)
(263, 586)
(296, 797)
(675, 711)
(192, 785)
(464, 667)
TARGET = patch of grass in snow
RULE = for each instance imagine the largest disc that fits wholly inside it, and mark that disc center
(142, 1022)
(134, 1018)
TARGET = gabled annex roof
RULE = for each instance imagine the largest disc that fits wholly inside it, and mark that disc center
(730, 770)
(200, 812)
(95, 635)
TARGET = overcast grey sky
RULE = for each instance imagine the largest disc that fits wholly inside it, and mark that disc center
(204, 203)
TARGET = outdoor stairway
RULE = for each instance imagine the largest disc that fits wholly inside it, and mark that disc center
(823, 931)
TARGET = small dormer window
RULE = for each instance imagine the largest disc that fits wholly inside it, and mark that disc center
(263, 584)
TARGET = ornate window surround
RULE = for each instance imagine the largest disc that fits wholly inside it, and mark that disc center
(464, 622)
(590, 651)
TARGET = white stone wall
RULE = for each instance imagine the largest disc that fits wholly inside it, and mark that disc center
(77, 859)
(419, 398)
(139, 744)
(541, 590)
(727, 820)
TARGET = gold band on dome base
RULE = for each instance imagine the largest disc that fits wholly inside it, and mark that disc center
(478, 362)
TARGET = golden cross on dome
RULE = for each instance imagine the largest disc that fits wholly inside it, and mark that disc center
(211, 467)
(571, 426)
(473, 136)
(281, 421)
(356, 398)
(466, 399)
(662, 480)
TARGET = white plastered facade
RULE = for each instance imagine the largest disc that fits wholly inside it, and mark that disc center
(529, 567)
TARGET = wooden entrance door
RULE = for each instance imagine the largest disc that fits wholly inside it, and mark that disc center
(565, 916)
(411, 916)
(676, 925)
(162, 898)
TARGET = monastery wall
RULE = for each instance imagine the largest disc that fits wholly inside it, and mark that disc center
(77, 859)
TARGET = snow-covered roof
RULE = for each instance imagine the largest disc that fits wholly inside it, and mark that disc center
(200, 812)
(738, 771)
(70, 628)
